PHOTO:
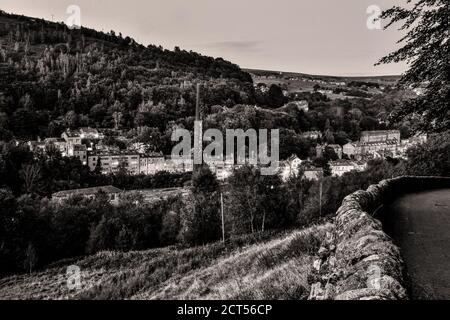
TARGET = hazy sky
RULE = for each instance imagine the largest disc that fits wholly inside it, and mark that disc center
(310, 36)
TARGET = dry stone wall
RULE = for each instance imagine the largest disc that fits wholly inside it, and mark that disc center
(358, 261)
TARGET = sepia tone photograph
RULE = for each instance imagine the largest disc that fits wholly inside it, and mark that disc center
(230, 152)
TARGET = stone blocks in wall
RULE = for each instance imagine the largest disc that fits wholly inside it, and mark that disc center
(358, 261)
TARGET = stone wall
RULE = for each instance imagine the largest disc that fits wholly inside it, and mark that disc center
(358, 261)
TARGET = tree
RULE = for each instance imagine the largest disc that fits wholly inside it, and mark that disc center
(203, 180)
(71, 119)
(368, 123)
(200, 219)
(200, 216)
(8, 231)
(256, 203)
(30, 258)
(426, 49)
(31, 174)
(275, 97)
(296, 190)
(24, 123)
(431, 158)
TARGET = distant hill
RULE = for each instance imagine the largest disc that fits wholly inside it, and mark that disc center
(258, 267)
(334, 87)
(388, 79)
(53, 77)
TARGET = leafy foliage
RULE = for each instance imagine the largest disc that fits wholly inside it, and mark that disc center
(54, 78)
(426, 49)
(432, 158)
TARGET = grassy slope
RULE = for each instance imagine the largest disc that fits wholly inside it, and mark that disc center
(274, 268)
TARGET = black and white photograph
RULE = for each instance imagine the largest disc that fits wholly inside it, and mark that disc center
(224, 155)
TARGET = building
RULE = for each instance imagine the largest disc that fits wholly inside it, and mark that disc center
(386, 146)
(72, 137)
(340, 167)
(178, 165)
(37, 146)
(150, 165)
(111, 163)
(78, 151)
(59, 143)
(351, 149)
(377, 143)
(313, 135)
(360, 165)
(90, 133)
(380, 136)
(325, 91)
(313, 173)
(113, 194)
(222, 170)
(301, 105)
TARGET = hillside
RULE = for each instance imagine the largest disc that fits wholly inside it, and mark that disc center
(387, 79)
(249, 268)
(53, 77)
(334, 87)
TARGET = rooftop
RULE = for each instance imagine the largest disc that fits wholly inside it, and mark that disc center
(313, 169)
(342, 163)
(124, 153)
(72, 133)
(88, 130)
(79, 147)
(52, 140)
(378, 143)
(377, 132)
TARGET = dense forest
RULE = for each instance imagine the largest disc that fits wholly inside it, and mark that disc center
(54, 77)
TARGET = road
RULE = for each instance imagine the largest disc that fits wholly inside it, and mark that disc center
(420, 225)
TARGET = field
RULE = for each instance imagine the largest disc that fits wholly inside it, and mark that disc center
(299, 82)
(263, 266)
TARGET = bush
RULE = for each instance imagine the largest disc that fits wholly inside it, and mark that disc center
(431, 158)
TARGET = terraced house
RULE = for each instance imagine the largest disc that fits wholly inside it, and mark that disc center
(113, 162)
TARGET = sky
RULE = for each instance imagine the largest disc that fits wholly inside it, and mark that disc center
(322, 37)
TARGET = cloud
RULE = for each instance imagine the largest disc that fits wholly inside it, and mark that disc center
(244, 45)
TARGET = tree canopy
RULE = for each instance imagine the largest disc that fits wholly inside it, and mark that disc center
(426, 50)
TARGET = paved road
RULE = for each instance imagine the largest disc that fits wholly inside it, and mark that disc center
(420, 224)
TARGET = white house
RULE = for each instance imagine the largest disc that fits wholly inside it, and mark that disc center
(340, 167)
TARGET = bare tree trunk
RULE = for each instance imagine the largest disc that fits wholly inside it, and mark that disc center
(264, 221)
(30, 174)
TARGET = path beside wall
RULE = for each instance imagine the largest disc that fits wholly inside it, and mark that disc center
(359, 261)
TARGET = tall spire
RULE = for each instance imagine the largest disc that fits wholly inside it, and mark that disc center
(197, 105)
(198, 134)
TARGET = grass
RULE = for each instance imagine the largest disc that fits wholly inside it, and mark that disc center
(254, 267)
